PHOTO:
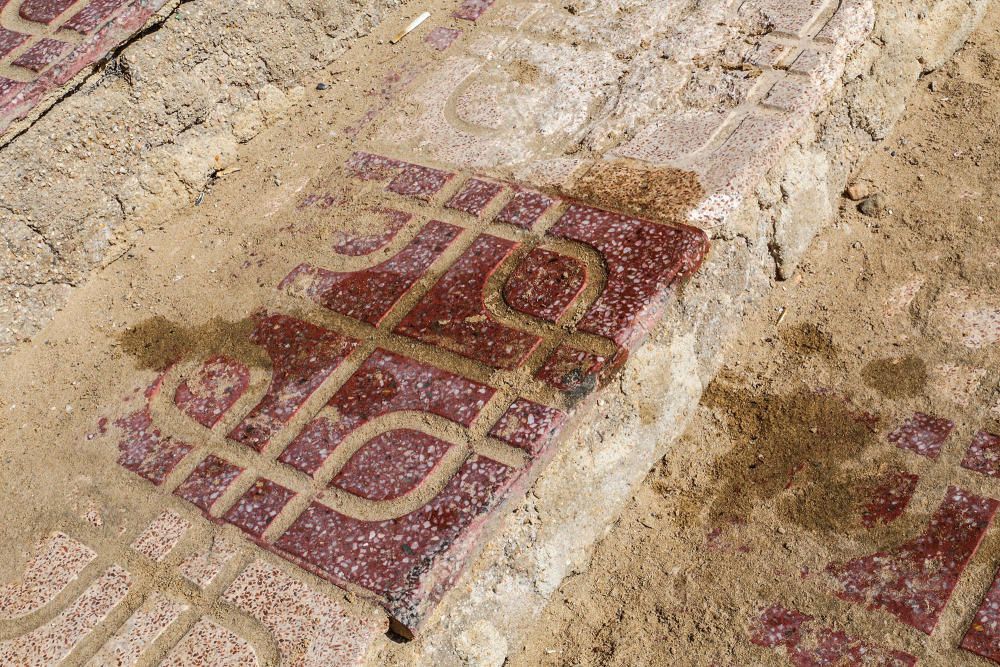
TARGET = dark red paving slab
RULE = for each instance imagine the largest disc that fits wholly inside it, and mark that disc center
(545, 284)
(213, 390)
(44, 53)
(356, 245)
(441, 38)
(10, 40)
(94, 15)
(889, 498)
(922, 434)
(409, 562)
(983, 636)
(642, 259)
(572, 370)
(807, 646)
(471, 10)
(302, 357)
(208, 481)
(386, 383)
(475, 196)
(143, 448)
(525, 209)
(421, 182)
(43, 11)
(258, 506)
(983, 454)
(370, 294)
(391, 465)
(453, 314)
(915, 580)
(529, 426)
(371, 167)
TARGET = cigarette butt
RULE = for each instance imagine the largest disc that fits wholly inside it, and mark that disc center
(410, 28)
(781, 316)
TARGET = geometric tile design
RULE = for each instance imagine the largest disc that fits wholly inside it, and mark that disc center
(915, 580)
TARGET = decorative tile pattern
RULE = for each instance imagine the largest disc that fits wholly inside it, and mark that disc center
(984, 454)
(143, 449)
(208, 482)
(813, 647)
(311, 630)
(922, 434)
(52, 642)
(889, 498)
(161, 536)
(259, 506)
(525, 209)
(545, 284)
(643, 259)
(370, 294)
(302, 356)
(410, 561)
(43, 11)
(420, 182)
(213, 390)
(983, 636)
(391, 465)
(573, 371)
(386, 383)
(142, 628)
(202, 568)
(915, 580)
(529, 426)
(475, 196)
(453, 315)
(355, 245)
(208, 643)
(57, 562)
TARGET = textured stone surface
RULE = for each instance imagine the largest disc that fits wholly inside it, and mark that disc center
(983, 636)
(923, 434)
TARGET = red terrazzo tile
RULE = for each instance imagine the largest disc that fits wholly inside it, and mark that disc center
(984, 454)
(370, 294)
(471, 10)
(525, 209)
(391, 465)
(10, 40)
(643, 259)
(545, 284)
(529, 426)
(817, 647)
(923, 435)
(44, 53)
(208, 481)
(9, 89)
(983, 636)
(213, 390)
(94, 15)
(43, 11)
(356, 245)
(257, 508)
(302, 357)
(371, 167)
(572, 371)
(475, 196)
(441, 38)
(915, 580)
(408, 562)
(386, 383)
(420, 182)
(453, 314)
(889, 498)
(143, 449)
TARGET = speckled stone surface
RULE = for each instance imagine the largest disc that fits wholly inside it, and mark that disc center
(208, 481)
(259, 506)
(143, 448)
(209, 644)
(56, 563)
(213, 390)
(983, 636)
(139, 632)
(889, 498)
(923, 434)
(983, 455)
(545, 284)
(475, 196)
(161, 536)
(915, 580)
(391, 465)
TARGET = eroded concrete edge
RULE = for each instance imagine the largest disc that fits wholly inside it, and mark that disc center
(639, 419)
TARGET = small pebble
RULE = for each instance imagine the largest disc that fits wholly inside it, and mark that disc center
(322, 86)
(873, 206)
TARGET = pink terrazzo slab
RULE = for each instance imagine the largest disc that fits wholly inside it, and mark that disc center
(57, 562)
(161, 536)
(386, 383)
(302, 356)
(370, 294)
(915, 580)
(453, 314)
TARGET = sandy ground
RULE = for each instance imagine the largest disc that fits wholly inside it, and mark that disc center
(889, 314)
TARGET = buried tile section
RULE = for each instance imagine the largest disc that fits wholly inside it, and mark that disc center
(889, 498)
(213, 390)
(143, 448)
(354, 245)
(409, 562)
(441, 38)
(525, 209)
(391, 464)
(453, 315)
(471, 10)
(57, 562)
(51, 643)
(545, 284)
(983, 636)
(809, 646)
(161, 536)
(983, 454)
(475, 196)
(208, 643)
(923, 434)
(202, 568)
(915, 580)
(139, 632)
(310, 629)
(208, 481)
